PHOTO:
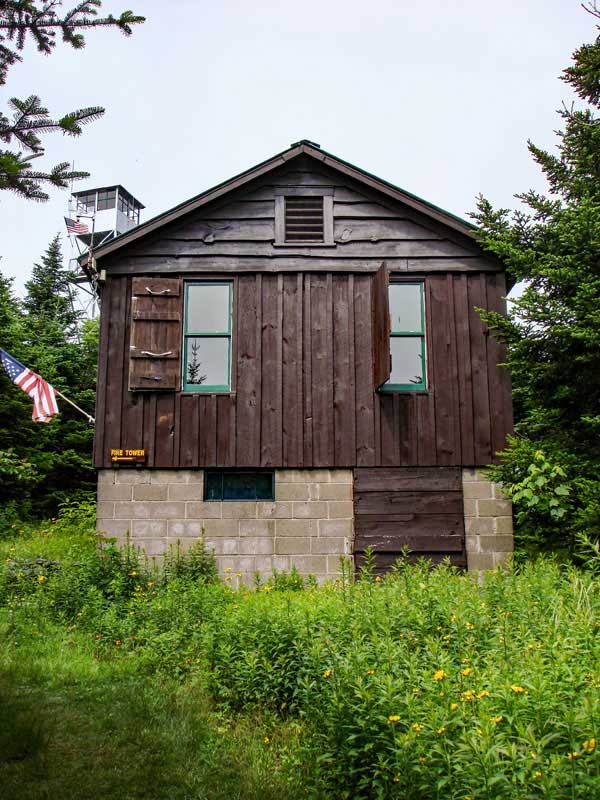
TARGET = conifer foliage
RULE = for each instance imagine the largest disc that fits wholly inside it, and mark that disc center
(552, 466)
(29, 119)
(42, 465)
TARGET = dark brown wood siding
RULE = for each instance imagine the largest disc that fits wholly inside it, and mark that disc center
(419, 510)
(302, 381)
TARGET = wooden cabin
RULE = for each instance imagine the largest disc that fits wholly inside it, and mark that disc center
(292, 366)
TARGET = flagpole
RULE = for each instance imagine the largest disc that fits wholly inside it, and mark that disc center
(85, 414)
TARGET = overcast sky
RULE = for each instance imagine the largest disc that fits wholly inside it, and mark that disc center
(436, 97)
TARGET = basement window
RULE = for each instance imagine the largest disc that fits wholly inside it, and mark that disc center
(304, 217)
(238, 484)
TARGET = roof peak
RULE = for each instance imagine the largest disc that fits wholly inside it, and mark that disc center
(306, 141)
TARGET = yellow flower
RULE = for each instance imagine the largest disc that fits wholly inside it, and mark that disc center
(572, 756)
(517, 689)
(440, 731)
(537, 775)
(41, 578)
(466, 672)
(439, 675)
(238, 574)
(422, 760)
(589, 746)
(377, 578)
(396, 779)
(393, 718)
(483, 693)
(442, 694)
(468, 695)
(227, 569)
(470, 626)
(447, 637)
(417, 728)
(266, 740)
(497, 719)
(327, 673)
(133, 573)
(453, 706)
(370, 672)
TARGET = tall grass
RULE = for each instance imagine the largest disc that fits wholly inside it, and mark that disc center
(426, 684)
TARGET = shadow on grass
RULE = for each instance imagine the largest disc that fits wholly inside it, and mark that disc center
(72, 727)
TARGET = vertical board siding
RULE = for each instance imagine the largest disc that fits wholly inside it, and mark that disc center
(302, 382)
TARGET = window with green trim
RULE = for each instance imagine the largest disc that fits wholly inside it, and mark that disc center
(407, 338)
(207, 337)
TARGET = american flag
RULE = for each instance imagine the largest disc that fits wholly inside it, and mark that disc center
(44, 399)
(75, 227)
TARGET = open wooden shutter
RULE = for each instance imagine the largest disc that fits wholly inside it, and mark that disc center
(381, 326)
(155, 345)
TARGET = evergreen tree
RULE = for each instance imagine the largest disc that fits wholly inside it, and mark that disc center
(46, 463)
(552, 466)
(19, 20)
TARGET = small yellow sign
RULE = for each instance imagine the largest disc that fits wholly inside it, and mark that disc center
(128, 456)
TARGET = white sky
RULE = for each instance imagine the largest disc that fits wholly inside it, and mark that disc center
(437, 97)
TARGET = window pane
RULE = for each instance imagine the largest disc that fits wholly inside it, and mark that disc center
(207, 361)
(407, 361)
(213, 485)
(208, 309)
(405, 307)
(238, 485)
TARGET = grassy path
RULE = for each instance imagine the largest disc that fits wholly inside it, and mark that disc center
(73, 727)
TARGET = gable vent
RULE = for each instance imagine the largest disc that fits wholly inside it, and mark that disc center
(304, 219)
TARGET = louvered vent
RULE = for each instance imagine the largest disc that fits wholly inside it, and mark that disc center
(304, 219)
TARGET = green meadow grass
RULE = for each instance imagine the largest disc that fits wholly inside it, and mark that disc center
(122, 680)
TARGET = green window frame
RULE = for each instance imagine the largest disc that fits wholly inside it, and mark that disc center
(413, 335)
(191, 332)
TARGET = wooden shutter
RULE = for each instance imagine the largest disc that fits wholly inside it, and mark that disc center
(381, 326)
(156, 335)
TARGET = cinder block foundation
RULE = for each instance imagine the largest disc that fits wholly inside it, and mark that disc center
(309, 525)
(488, 522)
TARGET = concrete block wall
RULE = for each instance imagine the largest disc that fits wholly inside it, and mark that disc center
(309, 525)
(488, 522)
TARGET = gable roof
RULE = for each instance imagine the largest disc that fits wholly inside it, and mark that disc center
(303, 147)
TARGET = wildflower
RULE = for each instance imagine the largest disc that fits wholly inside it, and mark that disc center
(377, 578)
(442, 694)
(589, 746)
(133, 573)
(470, 626)
(447, 637)
(483, 693)
(533, 755)
(466, 672)
(266, 740)
(188, 661)
(422, 760)
(118, 642)
(150, 584)
(396, 779)
(536, 775)
(498, 719)
(393, 718)
(453, 706)
(238, 574)
(417, 728)
(227, 569)
(370, 672)
(440, 731)
(235, 605)
(517, 689)
(439, 628)
(327, 673)
(439, 675)
(572, 756)
(531, 647)
(41, 578)
(467, 696)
